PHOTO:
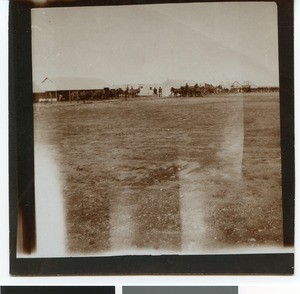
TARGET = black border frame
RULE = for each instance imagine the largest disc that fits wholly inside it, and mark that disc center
(21, 166)
(57, 289)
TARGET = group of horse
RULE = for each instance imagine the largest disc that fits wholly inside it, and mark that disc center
(198, 91)
(107, 93)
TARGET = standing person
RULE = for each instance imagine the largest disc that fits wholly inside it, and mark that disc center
(126, 92)
(186, 88)
(155, 92)
(131, 92)
(160, 91)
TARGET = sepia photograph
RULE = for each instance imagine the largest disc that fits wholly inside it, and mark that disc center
(157, 131)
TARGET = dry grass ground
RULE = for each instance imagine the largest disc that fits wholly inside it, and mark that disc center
(169, 174)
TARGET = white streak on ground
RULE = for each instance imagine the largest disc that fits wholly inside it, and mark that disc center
(194, 180)
(121, 224)
(50, 215)
(233, 142)
(191, 208)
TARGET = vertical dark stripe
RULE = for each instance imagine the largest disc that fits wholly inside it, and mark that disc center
(58, 290)
(21, 114)
(286, 66)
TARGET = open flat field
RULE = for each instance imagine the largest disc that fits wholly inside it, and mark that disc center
(167, 174)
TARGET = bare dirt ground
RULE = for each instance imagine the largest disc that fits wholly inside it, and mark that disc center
(171, 174)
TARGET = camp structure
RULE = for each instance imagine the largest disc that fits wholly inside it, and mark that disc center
(64, 89)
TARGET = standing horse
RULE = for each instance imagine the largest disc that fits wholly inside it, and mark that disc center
(134, 92)
(82, 96)
(175, 92)
(98, 94)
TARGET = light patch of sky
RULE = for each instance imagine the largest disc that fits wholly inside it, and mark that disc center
(249, 27)
(206, 42)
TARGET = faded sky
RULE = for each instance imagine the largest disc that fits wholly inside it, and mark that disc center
(206, 42)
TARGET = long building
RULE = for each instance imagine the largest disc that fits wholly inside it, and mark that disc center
(64, 89)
